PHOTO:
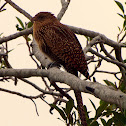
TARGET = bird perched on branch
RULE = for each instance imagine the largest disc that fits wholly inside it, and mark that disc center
(61, 45)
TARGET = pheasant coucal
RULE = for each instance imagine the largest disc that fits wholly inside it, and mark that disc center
(61, 45)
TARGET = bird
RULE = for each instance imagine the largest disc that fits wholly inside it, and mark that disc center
(59, 43)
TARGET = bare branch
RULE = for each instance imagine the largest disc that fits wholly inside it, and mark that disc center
(101, 91)
(16, 35)
(93, 34)
(19, 9)
(107, 59)
(96, 67)
(122, 38)
(94, 41)
(105, 52)
(121, 31)
(35, 107)
(20, 94)
(119, 58)
(75, 29)
(1, 8)
(39, 89)
(114, 73)
(65, 5)
(30, 52)
(65, 78)
(102, 71)
(61, 91)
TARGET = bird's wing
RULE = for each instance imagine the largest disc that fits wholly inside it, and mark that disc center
(62, 44)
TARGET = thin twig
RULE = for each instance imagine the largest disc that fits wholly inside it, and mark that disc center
(119, 34)
(122, 38)
(20, 94)
(65, 5)
(93, 34)
(94, 41)
(19, 9)
(107, 59)
(2, 7)
(114, 73)
(39, 89)
(16, 35)
(30, 53)
(102, 71)
(105, 52)
(96, 67)
(101, 91)
(61, 91)
(35, 106)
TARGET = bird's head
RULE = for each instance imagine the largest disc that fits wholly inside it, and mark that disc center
(41, 16)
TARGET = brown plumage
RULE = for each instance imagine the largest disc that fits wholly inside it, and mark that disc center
(61, 45)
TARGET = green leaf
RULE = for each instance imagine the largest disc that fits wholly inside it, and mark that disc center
(124, 113)
(119, 28)
(124, 16)
(109, 83)
(103, 122)
(100, 109)
(107, 114)
(1, 34)
(124, 61)
(69, 106)
(21, 23)
(93, 104)
(86, 112)
(110, 121)
(59, 110)
(10, 50)
(124, 23)
(121, 15)
(90, 121)
(101, 102)
(113, 107)
(120, 6)
(74, 117)
(122, 86)
(78, 123)
(28, 39)
(95, 123)
(119, 119)
(30, 24)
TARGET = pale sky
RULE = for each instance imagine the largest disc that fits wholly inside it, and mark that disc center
(96, 15)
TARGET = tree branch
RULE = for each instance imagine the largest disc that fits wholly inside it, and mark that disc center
(94, 41)
(19, 9)
(107, 59)
(101, 91)
(16, 35)
(20, 94)
(105, 52)
(93, 34)
(39, 89)
(65, 5)
(1, 8)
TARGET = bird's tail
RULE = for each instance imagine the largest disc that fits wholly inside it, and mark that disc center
(79, 98)
(86, 74)
(80, 108)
